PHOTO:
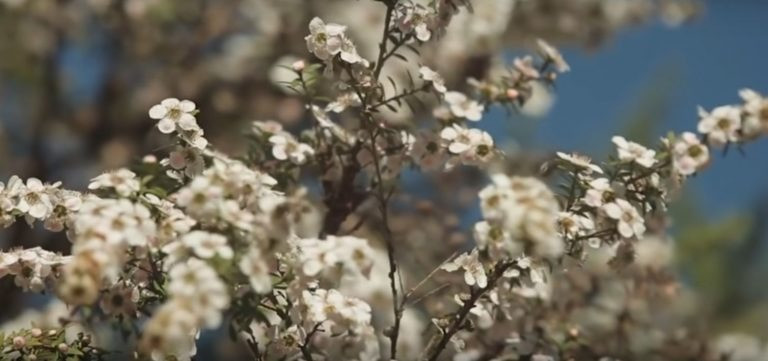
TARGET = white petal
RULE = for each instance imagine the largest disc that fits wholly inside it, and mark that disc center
(612, 210)
(625, 230)
(158, 111)
(170, 103)
(458, 148)
(279, 153)
(187, 105)
(188, 122)
(166, 125)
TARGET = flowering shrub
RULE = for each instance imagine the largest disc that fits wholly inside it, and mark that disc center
(292, 247)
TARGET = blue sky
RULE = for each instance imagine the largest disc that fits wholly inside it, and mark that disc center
(705, 62)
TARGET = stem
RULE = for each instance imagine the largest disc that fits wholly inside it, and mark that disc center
(397, 304)
(383, 44)
(307, 340)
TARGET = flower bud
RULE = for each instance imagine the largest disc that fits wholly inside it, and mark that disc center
(36, 332)
(512, 93)
(298, 65)
(19, 342)
(63, 347)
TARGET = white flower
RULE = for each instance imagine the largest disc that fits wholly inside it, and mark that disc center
(629, 221)
(190, 160)
(755, 113)
(255, 267)
(286, 147)
(492, 237)
(688, 154)
(474, 273)
(572, 224)
(598, 192)
(120, 299)
(581, 162)
(550, 53)
(721, 125)
(458, 138)
(123, 181)
(434, 78)
(325, 40)
(33, 197)
(633, 152)
(259, 127)
(414, 18)
(472, 145)
(463, 107)
(427, 152)
(206, 245)
(173, 113)
(482, 148)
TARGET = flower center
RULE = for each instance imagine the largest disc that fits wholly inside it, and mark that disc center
(695, 151)
(723, 123)
(483, 150)
(174, 113)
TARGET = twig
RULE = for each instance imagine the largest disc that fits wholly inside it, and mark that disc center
(307, 340)
(423, 281)
(461, 315)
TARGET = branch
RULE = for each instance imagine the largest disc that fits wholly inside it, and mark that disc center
(461, 315)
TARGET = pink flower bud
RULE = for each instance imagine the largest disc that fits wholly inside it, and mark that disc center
(298, 65)
(19, 342)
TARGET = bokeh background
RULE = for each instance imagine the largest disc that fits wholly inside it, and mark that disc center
(75, 85)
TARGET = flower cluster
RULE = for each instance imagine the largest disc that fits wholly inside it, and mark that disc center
(33, 269)
(103, 232)
(230, 194)
(416, 20)
(312, 257)
(521, 216)
(197, 298)
(36, 201)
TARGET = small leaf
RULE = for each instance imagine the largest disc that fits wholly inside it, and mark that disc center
(399, 56)
(392, 81)
(413, 49)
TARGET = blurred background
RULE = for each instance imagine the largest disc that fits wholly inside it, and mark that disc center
(77, 78)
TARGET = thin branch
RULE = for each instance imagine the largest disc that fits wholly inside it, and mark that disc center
(461, 315)
(400, 96)
(385, 34)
